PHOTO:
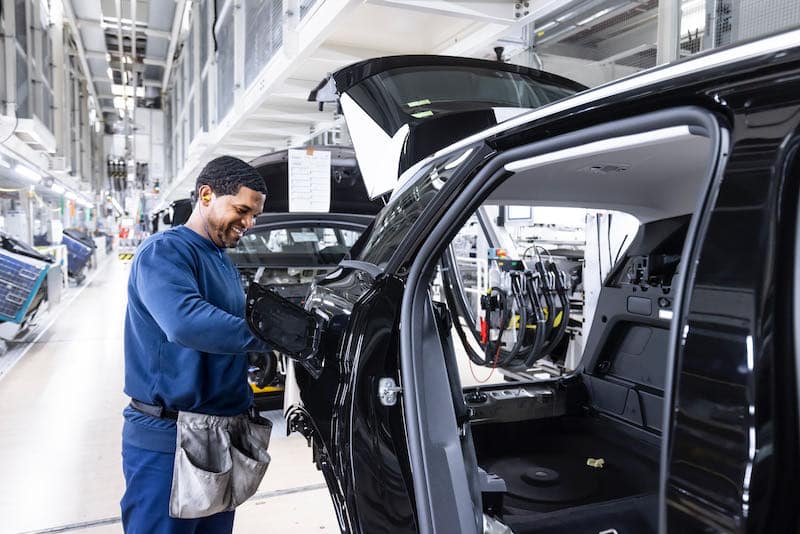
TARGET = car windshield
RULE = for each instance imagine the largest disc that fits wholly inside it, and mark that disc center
(294, 246)
(395, 221)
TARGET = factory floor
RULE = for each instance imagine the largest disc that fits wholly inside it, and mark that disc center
(60, 423)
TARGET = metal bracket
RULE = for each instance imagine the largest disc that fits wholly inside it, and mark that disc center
(388, 390)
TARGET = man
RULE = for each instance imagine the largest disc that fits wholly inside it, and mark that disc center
(186, 341)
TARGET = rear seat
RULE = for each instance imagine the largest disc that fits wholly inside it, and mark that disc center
(625, 358)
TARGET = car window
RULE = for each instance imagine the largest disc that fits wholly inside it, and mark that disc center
(295, 246)
(418, 93)
(395, 221)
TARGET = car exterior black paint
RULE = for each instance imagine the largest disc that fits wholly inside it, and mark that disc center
(734, 377)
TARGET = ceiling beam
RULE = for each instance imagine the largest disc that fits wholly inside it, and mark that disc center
(154, 61)
(96, 54)
(125, 27)
(480, 10)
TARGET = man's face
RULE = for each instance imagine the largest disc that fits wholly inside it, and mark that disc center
(228, 216)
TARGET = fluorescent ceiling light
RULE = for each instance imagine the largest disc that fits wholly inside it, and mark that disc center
(547, 26)
(569, 15)
(599, 147)
(126, 90)
(57, 188)
(28, 173)
(594, 17)
(70, 195)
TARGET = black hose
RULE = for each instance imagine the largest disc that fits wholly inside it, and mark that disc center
(546, 290)
(561, 291)
(534, 353)
(455, 304)
(493, 349)
(517, 291)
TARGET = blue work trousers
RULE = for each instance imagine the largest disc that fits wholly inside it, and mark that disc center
(145, 504)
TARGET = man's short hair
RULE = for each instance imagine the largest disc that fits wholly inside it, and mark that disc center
(225, 175)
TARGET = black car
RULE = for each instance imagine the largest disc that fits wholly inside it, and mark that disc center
(286, 250)
(682, 414)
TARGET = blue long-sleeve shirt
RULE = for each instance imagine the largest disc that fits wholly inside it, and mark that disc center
(185, 335)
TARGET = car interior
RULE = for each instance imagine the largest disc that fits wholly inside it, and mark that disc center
(287, 259)
(557, 350)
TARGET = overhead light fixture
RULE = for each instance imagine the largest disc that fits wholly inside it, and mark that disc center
(127, 90)
(547, 26)
(108, 56)
(569, 15)
(594, 17)
(28, 173)
(57, 188)
(110, 74)
(71, 196)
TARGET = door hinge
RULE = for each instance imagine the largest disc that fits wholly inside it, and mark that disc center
(388, 390)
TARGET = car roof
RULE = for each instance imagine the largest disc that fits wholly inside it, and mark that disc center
(781, 46)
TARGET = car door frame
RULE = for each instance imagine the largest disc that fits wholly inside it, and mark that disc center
(435, 515)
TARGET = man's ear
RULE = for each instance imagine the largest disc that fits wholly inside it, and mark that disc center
(204, 194)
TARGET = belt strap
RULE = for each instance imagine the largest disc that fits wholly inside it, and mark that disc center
(153, 410)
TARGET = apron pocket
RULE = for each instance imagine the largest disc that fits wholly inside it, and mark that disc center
(248, 473)
(250, 459)
(197, 492)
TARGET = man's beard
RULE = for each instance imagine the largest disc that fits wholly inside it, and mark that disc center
(229, 242)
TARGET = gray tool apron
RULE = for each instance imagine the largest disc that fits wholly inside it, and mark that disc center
(219, 463)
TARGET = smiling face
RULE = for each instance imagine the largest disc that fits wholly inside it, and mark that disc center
(228, 216)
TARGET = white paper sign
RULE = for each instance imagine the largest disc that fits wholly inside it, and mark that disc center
(309, 180)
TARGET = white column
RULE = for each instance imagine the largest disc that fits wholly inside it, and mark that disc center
(669, 26)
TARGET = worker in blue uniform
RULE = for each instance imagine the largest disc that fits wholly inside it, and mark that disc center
(186, 341)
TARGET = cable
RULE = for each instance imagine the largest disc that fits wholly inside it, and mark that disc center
(14, 129)
(494, 366)
(619, 250)
(214, 28)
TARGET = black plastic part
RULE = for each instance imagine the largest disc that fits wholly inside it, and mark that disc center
(288, 328)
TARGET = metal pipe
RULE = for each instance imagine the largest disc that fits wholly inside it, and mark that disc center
(180, 8)
(135, 75)
(121, 50)
(69, 15)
